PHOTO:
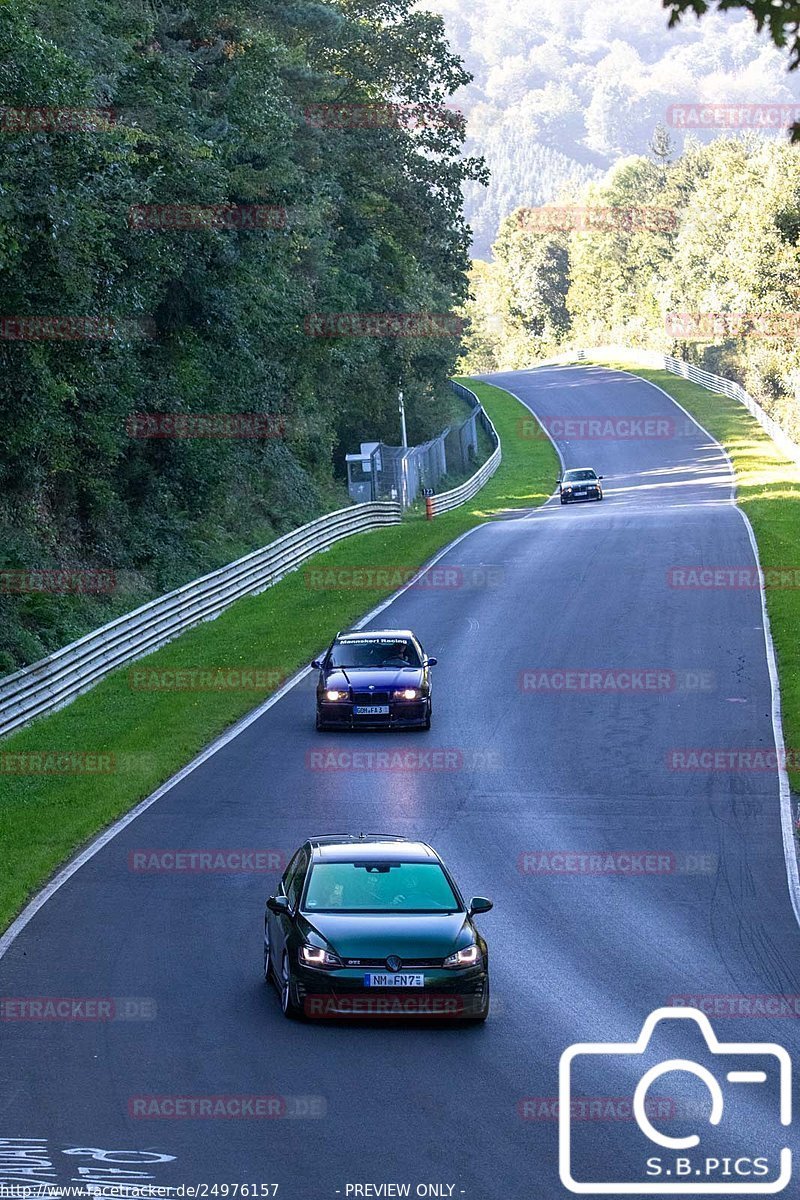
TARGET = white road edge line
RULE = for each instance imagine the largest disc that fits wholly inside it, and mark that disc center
(792, 873)
(74, 865)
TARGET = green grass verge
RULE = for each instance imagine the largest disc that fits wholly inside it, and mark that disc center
(152, 734)
(768, 491)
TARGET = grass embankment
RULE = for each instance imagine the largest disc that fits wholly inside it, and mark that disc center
(152, 734)
(768, 491)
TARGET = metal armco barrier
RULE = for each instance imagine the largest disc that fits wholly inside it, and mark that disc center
(56, 680)
(435, 505)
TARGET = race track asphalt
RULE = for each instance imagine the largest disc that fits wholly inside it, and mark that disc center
(540, 764)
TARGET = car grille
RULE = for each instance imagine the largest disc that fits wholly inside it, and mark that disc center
(379, 964)
(370, 698)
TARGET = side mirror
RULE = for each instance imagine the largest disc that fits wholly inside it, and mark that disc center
(431, 662)
(479, 904)
(279, 905)
(316, 665)
(558, 481)
(601, 476)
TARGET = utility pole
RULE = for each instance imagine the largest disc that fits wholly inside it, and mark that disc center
(403, 419)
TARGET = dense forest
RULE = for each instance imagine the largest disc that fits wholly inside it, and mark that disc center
(699, 257)
(562, 90)
(109, 312)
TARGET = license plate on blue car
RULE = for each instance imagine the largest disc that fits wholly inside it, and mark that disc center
(371, 710)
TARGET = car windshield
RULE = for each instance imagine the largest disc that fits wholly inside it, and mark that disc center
(374, 652)
(579, 476)
(420, 887)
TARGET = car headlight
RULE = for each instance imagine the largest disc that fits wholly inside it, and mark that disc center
(407, 694)
(315, 956)
(566, 489)
(333, 694)
(470, 956)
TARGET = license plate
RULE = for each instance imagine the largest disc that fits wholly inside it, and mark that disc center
(580, 492)
(371, 710)
(394, 980)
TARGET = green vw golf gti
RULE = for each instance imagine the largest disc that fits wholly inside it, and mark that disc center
(374, 926)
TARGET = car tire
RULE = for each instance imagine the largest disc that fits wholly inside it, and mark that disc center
(563, 501)
(289, 1006)
(427, 724)
(319, 724)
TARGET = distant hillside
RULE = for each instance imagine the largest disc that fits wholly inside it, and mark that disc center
(563, 90)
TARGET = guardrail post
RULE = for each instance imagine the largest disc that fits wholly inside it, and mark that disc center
(429, 509)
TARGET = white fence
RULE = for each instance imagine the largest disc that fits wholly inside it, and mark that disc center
(435, 505)
(54, 681)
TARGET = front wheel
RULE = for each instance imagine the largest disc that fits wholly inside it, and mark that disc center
(563, 501)
(427, 724)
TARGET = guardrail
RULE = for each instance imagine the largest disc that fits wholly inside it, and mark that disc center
(53, 682)
(435, 505)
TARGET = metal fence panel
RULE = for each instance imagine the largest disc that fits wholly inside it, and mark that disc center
(53, 682)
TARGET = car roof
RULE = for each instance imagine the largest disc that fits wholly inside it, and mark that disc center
(369, 848)
(360, 634)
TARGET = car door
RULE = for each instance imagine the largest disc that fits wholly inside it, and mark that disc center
(291, 886)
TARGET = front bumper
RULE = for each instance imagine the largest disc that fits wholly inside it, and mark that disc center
(402, 714)
(447, 995)
(594, 494)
